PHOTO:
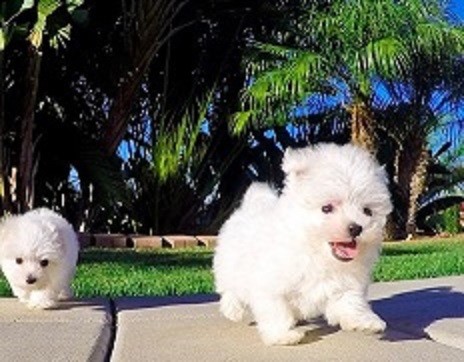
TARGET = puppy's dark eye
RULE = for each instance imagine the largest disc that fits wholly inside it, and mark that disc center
(367, 211)
(43, 263)
(327, 209)
(19, 260)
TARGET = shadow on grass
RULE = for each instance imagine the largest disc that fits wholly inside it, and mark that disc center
(187, 259)
(413, 312)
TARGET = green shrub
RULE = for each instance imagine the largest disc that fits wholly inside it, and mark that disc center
(446, 221)
(451, 220)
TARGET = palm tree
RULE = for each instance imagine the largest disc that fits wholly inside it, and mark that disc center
(49, 19)
(444, 186)
(9, 12)
(404, 148)
(148, 25)
(92, 85)
(338, 48)
(343, 49)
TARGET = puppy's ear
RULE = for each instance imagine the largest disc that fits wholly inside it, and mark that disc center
(49, 227)
(296, 162)
(382, 171)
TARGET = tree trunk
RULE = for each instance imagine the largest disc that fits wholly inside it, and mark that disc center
(416, 187)
(4, 197)
(412, 173)
(363, 127)
(391, 232)
(25, 181)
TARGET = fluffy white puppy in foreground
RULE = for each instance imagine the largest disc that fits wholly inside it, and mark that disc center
(309, 251)
(38, 255)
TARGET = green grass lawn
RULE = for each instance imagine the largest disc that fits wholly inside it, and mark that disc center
(108, 272)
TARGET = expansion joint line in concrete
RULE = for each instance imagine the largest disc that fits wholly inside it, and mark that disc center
(113, 329)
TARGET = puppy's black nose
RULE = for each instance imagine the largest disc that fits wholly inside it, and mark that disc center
(355, 229)
(31, 280)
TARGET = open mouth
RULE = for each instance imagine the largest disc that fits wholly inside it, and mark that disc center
(344, 250)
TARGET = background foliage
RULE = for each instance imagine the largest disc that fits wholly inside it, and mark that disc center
(153, 116)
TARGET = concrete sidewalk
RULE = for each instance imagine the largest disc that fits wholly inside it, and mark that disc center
(78, 331)
(425, 318)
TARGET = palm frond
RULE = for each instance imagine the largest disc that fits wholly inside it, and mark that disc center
(177, 147)
(63, 146)
(445, 147)
(12, 8)
(286, 83)
(95, 168)
(45, 8)
(387, 58)
(438, 39)
(439, 204)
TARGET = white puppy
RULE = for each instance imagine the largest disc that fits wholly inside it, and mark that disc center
(309, 251)
(38, 255)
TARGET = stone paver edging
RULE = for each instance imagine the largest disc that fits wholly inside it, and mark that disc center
(145, 241)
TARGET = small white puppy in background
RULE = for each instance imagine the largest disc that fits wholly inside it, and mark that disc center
(309, 251)
(38, 255)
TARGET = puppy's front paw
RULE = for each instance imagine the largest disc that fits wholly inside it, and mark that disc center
(286, 338)
(43, 304)
(66, 294)
(20, 293)
(370, 323)
(231, 307)
(40, 301)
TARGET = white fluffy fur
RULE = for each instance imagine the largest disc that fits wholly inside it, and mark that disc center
(273, 255)
(38, 235)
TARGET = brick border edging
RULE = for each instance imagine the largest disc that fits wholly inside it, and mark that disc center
(136, 241)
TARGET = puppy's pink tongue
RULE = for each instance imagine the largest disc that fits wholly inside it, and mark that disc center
(344, 251)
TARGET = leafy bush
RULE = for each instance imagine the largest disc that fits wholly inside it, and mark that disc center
(446, 221)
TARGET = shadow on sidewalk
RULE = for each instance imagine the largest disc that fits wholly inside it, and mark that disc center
(98, 304)
(314, 330)
(133, 303)
(409, 312)
(412, 312)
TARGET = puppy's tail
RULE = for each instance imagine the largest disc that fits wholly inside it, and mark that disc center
(259, 195)
(231, 307)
